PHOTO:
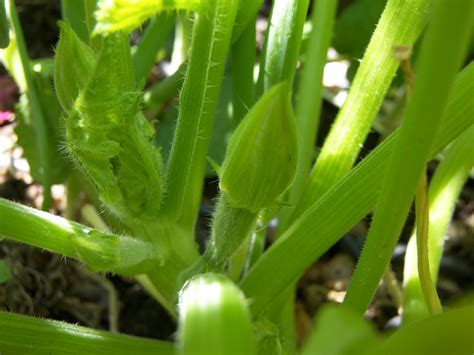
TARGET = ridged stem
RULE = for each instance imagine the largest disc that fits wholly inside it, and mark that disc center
(316, 230)
(441, 54)
(27, 335)
(423, 262)
(401, 23)
(444, 190)
(99, 251)
(309, 99)
(155, 35)
(243, 61)
(198, 99)
(282, 43)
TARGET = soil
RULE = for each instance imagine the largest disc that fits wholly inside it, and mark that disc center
(50, 286)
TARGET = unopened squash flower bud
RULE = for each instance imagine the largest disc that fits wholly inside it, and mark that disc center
(108, 137)
(69, 79)
(260, 163)
(213, 318)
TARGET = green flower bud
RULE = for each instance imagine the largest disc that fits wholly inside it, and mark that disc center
(214, 318)
(110, 139)
(260, 163)
(70, 79)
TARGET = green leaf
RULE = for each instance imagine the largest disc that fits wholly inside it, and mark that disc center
(116, 15)
(214, 318)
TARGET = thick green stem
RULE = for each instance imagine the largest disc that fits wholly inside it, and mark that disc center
(308, 106)
(155, 35)
(214, 318)
(73, 12)
(198, 99)
(155, 97)
(99, 251)
(441, 55)
(247, 11)
(230, 227)
(28, 335)
(309, 99)
(282, 44)
(444, 190)
(401, 24)
(90, 8)
(316, 230)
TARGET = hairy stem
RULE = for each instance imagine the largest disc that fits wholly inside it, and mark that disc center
(401, 24)
(186, 164)
(443, 49)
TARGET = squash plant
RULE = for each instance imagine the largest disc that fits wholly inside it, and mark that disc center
(236, 297)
